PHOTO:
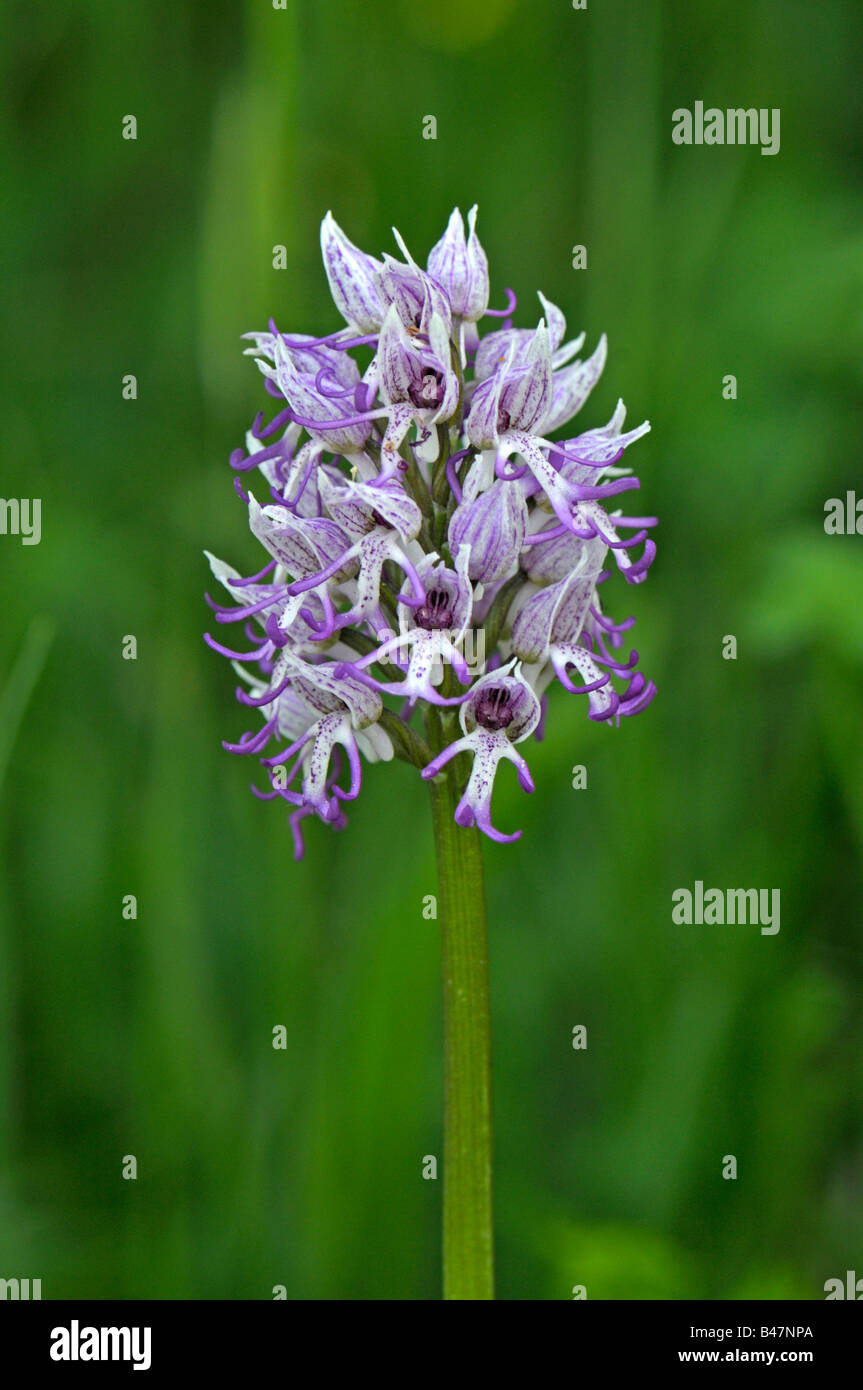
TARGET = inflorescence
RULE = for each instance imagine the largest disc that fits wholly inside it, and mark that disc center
(429, 544)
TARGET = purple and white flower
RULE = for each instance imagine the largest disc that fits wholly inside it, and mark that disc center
(461, 267)
(501, 710)
(431, 634)
(409, 506)
(492, 524)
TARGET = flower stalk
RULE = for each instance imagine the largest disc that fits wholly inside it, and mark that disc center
(468, 1255)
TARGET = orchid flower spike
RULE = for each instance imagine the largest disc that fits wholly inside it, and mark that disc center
(435, 536)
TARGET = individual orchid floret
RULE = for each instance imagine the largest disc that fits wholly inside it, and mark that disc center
(515, 399)
(416, 296)
(315, 551)
(358, 507)
(303, 545)
(548, 629)
(269, 604)
(408, 371)
(330, 415)
(507, 411)
(495, 347)
(417, 381)
(552, 552)
(428, 545)
(500, 711)
(578, 476)
(353, 278)
(431, 635)
(461, 267)
(344, 708)
(571, 385)
(492, 526)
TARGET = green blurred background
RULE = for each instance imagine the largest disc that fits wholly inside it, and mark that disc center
(153, 1037)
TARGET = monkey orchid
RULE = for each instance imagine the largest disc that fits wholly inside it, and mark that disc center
(433, 560)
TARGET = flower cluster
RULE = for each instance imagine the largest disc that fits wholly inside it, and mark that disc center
(432, 552)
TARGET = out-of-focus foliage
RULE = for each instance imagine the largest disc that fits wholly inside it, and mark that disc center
(153, 1037)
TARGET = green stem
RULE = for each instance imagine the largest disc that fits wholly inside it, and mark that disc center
(467, 1185)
